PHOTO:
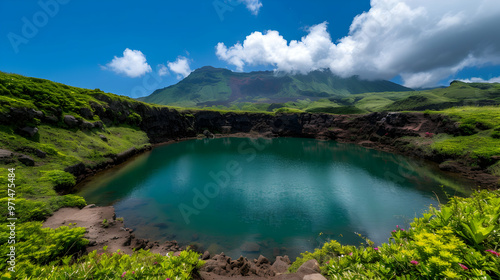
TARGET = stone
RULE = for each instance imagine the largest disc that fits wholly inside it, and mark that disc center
(262, 260)
(281, 265)
(86, 113)
(76, 169)
(51, 119)
(70, 121)
(315, 276)
(103, 138)
(6, 156)
(98, 124)
(208, 134)
(26, 160)
(250, 247)
(87, 125)
(40, 153)
(29, 131)
(205, 256)
(309, 267)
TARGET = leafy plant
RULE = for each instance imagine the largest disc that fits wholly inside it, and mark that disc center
(459, 241)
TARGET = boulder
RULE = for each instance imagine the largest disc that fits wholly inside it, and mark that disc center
(315, 276)
(281, 264)
(28, 131)
(87, 125)
(208, 134)
(70, 121)
(76, 169)
(6, 156)
(205, 256)
(262, 260)
(86, 113)
(98, 125)
(26, 160)
(51, 119)
(309, 267)
(40, 153)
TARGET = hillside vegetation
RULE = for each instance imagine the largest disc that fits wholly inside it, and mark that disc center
(316, 92)
(49, 127)
(208, 86)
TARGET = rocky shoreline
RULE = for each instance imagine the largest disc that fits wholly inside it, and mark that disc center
(105, 229)
(380, 131)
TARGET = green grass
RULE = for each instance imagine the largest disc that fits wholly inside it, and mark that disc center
(489, 116)
(473, 146)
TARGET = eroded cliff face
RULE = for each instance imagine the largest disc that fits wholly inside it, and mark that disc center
(382, 131)
(162, 125)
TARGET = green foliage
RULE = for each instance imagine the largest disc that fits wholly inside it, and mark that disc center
(471, 146)
(288, 110)
(105, 223)
(495, 134)
(41, 246)
(459, 241)
(26, 210)
(139, 265)
(134, 119)
(467, 129)
(59, 178)
(69, 200)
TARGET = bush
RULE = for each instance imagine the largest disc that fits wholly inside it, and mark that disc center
(26, 210)
(460, 241)
(139, 265)
(134, 119)
(41, 246)
(495, 134)
(60, 179)
(69, 200)
(467, 129)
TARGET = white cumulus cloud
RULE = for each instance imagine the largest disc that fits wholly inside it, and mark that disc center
(162, 70)
(133, 64)
(180, 67)
(480, 80)
(423, 41)
(253, 5)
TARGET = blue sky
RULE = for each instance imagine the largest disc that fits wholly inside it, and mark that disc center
(132, 48)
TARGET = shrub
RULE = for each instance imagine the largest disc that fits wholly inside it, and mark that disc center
(139, 265)
(459, 241)
(60, 179)
(467, 129)
(495, 134)
(41, 246)
(134, 119)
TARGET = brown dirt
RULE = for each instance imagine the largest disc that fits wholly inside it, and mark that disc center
(115, 235)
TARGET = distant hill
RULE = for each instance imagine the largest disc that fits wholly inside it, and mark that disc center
(209, 86)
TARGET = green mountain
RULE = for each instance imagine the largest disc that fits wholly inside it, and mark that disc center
(209, 86)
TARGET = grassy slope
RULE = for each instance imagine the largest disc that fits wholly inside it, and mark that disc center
(457, 94)
(40, 251)
(210, 84)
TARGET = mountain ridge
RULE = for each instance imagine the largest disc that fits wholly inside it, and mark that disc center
(208, 86)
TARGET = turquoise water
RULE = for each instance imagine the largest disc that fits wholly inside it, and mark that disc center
(270, 196)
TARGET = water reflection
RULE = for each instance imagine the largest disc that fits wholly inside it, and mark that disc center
(286, 192)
